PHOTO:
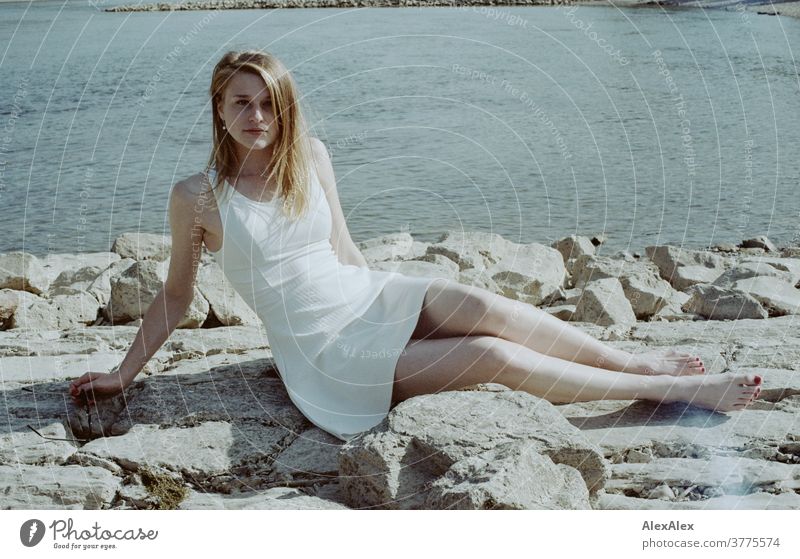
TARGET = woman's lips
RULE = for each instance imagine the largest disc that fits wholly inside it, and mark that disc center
(255, 131)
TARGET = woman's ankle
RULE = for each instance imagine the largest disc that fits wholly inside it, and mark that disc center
(615, 359)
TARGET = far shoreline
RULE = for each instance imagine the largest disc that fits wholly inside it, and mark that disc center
(789, 9)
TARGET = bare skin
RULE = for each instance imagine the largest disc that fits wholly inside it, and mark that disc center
(467, 335)
(248, 114)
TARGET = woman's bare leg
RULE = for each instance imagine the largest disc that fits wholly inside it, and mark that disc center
(429, 366)
(452, 309)
(541, 331)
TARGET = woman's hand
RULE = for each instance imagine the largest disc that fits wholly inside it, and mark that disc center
(96, 386)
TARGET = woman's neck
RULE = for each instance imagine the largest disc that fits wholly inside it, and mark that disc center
(255, 164)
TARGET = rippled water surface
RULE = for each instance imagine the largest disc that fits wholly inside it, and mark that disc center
(651, 126)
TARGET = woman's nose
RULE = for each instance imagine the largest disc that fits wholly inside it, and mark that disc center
(257, 115)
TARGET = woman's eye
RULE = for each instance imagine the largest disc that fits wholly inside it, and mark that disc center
(242, 101)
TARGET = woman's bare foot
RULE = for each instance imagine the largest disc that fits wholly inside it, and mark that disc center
(665, 362)
(722, 392)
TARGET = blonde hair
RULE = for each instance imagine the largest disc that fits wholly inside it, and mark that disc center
(292, 154)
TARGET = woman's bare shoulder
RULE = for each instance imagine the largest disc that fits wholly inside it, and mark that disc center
(193, 187)
(193, 194)
(195, 184)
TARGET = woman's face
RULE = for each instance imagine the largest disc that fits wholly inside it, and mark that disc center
(246, 111)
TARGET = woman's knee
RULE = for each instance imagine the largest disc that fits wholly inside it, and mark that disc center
(429, 366)
(508, 361)
(496, 351)
(459, 353)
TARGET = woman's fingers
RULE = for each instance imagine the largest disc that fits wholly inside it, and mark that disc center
(82, 394)
(79, 384)
(94, 386)
(81, 379)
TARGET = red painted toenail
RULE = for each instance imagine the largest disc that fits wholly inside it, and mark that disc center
(758, 380)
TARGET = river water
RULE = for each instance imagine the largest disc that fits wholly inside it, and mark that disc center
(651, 126)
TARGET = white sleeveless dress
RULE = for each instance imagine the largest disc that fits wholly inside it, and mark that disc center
(336, 331)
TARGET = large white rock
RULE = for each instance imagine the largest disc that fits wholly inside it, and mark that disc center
(70, 268)
(531, 273)
(423, 437)
(143, 246)
(589, 267)
(572, 248)
(203, 450)
(275, 498)
(643, 287)
(439, 260)
(478, 278)
(52, 368)
(133, 291)
(647, 294)
(23, 271)
(11, 300)
(527, 272)
(386, 247)
(717, 303)
(776, 296)
(735, 475)
(685, 267)
(788, 265)
(100, 287)
(673, 310)
(603, 302)
(26, 447)
(223, 300)
(686, 276)
(64, 487)
(57, 313)
(491, 480)
(750, 269)
(473, 249)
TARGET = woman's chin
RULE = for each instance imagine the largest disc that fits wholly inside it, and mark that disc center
(254, 143)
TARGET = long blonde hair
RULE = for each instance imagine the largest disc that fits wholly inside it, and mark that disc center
(292, 154)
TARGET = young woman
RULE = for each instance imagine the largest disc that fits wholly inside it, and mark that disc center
(349, 341)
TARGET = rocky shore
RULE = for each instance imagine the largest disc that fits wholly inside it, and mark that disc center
(789, 9)
(271, 4)
(208, 424)
(489, 7)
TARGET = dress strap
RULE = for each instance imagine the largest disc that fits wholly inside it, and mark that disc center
(211, 175)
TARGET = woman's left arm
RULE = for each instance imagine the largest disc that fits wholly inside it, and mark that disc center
(342, 243)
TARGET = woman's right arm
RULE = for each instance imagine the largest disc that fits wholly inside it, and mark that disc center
(167, 309)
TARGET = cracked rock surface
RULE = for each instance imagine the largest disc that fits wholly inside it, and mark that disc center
(216, 428)
(208, 422)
